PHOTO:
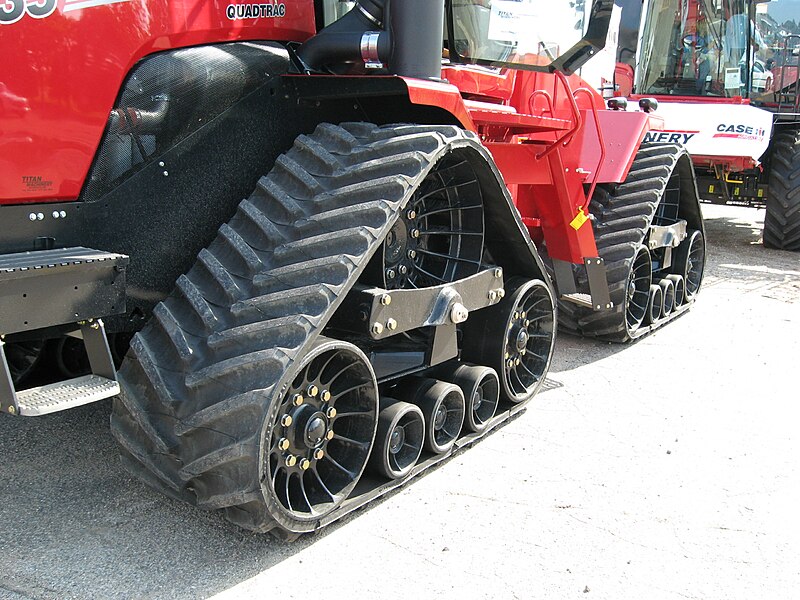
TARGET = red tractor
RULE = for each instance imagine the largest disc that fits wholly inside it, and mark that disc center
(385, 293)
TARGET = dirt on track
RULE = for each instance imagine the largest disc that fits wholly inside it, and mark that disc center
(663, 469)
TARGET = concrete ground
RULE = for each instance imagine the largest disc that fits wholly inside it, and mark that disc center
(665, 469)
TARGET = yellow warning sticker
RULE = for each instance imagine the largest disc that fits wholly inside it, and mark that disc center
(760, 193)
(579, 220)
(710, 189)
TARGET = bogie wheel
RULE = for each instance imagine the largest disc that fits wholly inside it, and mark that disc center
(22, 358)
(688, 261)
(515, 337)
(782, 218)
(399, 440)
(319, 434)
(638, 290)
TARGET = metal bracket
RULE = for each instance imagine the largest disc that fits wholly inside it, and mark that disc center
(383, 313)
(8, 395)
(97, 349)
(667, 236)
(598, 283)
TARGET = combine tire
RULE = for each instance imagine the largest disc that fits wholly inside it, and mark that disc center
(782, 219)
(655, 192)
(231, 399)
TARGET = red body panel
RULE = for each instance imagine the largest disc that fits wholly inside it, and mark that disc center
(60, 75)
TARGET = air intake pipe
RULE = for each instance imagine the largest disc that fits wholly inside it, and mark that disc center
(407, 37)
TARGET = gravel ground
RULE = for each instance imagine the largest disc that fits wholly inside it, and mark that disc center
(665, 469)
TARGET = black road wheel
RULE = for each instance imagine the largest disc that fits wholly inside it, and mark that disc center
(319, 434)
(442, 405)
(481, 389)
(680, 288)
(668, 290)
(515, 337)
(782, 218)
(689, 261)
(22, 358)
(655, 304)
(399, 439)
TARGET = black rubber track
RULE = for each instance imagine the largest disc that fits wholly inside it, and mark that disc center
(198, 380)
(621, 218)
(782, 218)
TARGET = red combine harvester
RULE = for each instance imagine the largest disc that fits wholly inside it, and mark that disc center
(725, 74)
(383, 297)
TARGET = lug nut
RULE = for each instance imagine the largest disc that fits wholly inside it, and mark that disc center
(391, 324)
(501, 293)
(510, 363)
(498, 272)
(298, 399)
(377, 328)
(283, 444)
(527, 322)
(390, 274)
(386, 300)
(286, 420)
(313, 390)
(516, 314)
(319, 453)
(412, 254)
(290, 460)
(304, 464)
(403, 269)
(415, 233)
(523, 314)
(411, 214)
(517, 361)
(329, 435)
(492, 296)
(325, 395)
(331, 412)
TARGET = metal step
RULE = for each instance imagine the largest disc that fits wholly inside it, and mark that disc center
(584, 300)
(65, 394)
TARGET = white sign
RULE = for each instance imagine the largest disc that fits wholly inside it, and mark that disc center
(514, 20)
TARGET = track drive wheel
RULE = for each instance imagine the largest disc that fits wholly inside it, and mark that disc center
(515, 337)
(782, 218)
(319, 433)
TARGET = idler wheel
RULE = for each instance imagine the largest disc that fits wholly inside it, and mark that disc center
(399, 439)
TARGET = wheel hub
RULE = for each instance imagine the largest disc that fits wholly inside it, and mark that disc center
(316, 429)
(397, 439)
(440, 417)
(522, 339)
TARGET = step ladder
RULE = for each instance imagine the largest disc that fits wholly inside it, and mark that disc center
(58, 288)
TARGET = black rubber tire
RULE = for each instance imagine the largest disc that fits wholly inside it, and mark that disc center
(689, 261)
(621, 217)
(22, 358)
(655, 303)
(206, 373)
(396, 413)
(782, 218)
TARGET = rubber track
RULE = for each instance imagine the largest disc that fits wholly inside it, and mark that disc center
(198, 379)
(782, 218)
(621, 215)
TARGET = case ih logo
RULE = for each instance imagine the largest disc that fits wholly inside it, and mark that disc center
(739, 132)
(255, 11)
(669, 137)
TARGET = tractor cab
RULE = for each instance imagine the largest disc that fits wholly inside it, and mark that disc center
(720, 49)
